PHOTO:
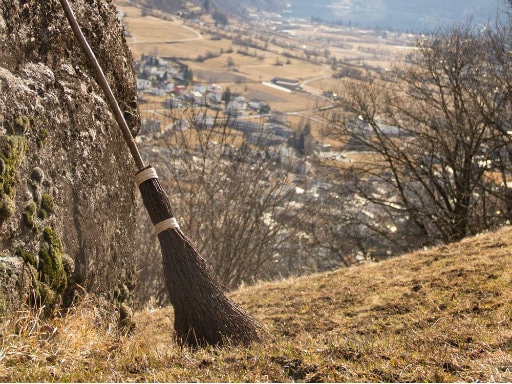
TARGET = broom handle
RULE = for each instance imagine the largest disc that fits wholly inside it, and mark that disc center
(102, 80)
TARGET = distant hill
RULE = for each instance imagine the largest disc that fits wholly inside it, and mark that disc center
(416, 16)
(232, 7)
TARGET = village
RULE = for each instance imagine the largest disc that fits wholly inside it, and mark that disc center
(253, 92)
(170, 83)
(297, 160)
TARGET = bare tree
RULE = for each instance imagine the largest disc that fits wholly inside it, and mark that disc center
(434, 131)
(233, 194)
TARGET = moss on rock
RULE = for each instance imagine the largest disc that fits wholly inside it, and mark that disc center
(3, 306)
(51, 267)
(22, 124)
(12, 152)
(47, 207)
(28, 214)
(37, 175)
(7, 209)
(42, 135)
(46, 295)
(26, 256)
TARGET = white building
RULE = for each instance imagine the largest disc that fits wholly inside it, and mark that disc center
(143, 84)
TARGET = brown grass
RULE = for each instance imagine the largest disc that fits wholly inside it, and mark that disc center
(443, 314)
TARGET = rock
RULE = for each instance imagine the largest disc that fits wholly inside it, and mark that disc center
(61, 152)
(15, 282)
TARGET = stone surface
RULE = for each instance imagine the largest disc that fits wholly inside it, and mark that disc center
(73, 172)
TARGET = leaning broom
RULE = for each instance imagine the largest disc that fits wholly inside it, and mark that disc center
(203, 314)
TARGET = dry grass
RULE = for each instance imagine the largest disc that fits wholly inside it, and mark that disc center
(443, 314)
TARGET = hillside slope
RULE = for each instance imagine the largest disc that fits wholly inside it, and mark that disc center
(443, 314)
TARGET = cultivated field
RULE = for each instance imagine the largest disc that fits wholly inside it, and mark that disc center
(285, 54)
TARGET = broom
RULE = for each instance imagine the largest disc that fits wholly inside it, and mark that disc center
(203, 314)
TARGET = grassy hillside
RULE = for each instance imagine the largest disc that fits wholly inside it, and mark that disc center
(442, 314)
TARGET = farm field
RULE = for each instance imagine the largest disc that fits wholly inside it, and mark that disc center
(303, 53)
(249, 69)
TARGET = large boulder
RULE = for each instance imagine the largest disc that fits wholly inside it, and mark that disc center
(67, 196)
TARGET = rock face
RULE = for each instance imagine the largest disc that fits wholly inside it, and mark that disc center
(67, 196)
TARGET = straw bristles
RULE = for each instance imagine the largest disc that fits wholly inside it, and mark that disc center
(203, 313)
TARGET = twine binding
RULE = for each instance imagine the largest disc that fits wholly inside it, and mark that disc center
(166, 224)
(148, 173)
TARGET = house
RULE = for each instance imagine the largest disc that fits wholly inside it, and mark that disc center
(156, 91)
(236, 106)
(255, 104)
(143, 84)
(265, 140)
(258, 105)
(182, 125)
(161, 62)
(330, 94)
(172, 102)
(179, 90)
(200, 88)
(150, 127)
(302, 167)
(245, 126)
(279, 130)
(215, 98)
(169, 87)
(214, 88)
(324, 147)
(197, 98)
(204, 121)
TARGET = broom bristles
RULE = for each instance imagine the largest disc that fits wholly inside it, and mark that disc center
(203, 314)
